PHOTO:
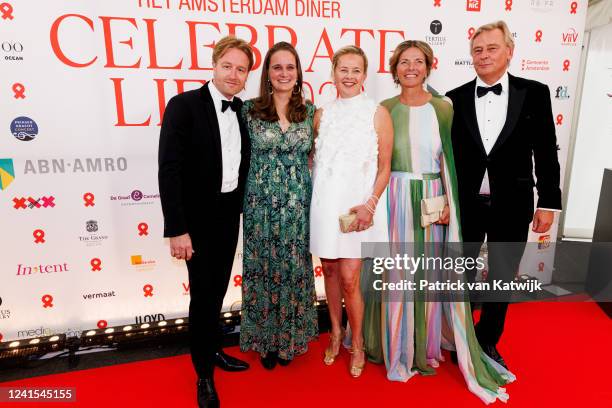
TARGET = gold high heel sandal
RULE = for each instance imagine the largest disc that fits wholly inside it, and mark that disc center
(330, 357)
(356, 370)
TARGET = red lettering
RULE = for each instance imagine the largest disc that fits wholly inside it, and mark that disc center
(383, 44)
(153, 49)
(55, 45)
(272, 40)
(330, 52)
(193, 46)
(232, 31)
(108, 41)
(120, 109)
(357, 32)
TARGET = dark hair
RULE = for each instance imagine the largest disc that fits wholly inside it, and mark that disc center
(263, 107)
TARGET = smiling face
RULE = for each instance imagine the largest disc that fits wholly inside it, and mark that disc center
(230, 72)
(283, 72)
(491, 55)
(349, 75)
(411, 68)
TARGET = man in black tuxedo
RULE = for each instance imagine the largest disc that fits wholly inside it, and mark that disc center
(204, 153)
(502, 125)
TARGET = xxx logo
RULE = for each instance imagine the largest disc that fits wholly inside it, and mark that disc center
(25, 203)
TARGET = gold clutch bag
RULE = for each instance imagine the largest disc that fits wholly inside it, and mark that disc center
(346, 220)
(431, 209)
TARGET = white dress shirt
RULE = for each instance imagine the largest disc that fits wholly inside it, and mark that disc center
(230, 141)
(491, 110)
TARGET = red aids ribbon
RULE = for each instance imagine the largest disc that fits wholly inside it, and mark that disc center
(538, 36)
(559, 119)
(541, 267)
(437, 3)
(434, 65)
(573, 7)
(471, 32)
(7, 11)
(102, 324)
(48, 201)
(508, 5)
(96, 264)
(143, 229)
(19, 203)
(566, 65)
(39, 236)
(148, 290)
(237, 280)
(318, 271)
(89, 200)
(47, 301)
(19, 90)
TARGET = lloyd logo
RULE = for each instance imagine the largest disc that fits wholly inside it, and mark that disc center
(570, 37)
(149, 318)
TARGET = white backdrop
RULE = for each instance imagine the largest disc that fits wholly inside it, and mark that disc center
(87, 81)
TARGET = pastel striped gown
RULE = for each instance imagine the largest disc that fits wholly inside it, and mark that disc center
(409, 334)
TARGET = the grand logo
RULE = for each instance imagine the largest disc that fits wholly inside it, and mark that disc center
(92, 238)
(7, 173)
(76, 165)
(25, 270)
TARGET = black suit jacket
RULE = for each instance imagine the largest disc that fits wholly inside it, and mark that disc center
(190, 161)
(527, 137)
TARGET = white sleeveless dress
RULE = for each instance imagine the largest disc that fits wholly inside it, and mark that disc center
(344, 172)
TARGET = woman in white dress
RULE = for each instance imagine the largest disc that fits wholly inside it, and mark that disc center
(354, 138)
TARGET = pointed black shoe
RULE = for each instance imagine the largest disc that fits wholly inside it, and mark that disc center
(454, 359)
(269, 360)
(229, 363)
(492, 352)
(207, 394)
(283, 362)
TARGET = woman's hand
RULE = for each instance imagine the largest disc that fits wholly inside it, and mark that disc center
(445, 217)
(363, 220)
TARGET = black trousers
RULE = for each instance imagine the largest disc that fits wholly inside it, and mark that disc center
(506, 238)
(209, 273)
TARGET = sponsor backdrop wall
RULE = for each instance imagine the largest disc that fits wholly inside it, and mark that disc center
(83, 89)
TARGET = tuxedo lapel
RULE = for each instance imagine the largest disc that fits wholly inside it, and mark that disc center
(213, 129)
(470, 116)
(516, 97)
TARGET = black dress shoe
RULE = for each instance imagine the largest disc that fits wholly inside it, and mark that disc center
(269, 360)
(229, 363)
(454, 359)
(284, 362)
(207, 394)
(491, 351)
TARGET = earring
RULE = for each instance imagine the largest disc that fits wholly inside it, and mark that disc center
(296, 89)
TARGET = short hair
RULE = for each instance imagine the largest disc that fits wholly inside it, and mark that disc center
(346, 50)
(228, 42)
(498, 25)
(403, 46)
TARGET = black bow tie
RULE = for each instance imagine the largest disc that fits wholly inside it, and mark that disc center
(234, 105)
(483, 90)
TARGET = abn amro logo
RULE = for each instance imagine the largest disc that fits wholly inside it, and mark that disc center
(7, 173)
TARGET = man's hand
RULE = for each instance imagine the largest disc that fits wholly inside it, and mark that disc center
(180, 247)
(542, 220)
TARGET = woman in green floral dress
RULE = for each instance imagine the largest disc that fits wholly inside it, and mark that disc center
(278, 295)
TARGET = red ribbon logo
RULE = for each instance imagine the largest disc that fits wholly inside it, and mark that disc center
(471, 32)
(559, 119)
(96, 264)
(7, 11)
(318, 271)
(538, 36)
(143, 229)
(541, 267)
(148, 290)
(237, 280)
(47, 301)
(508, 5)
(39, 236)
(434, 65)
(573, 7)
(437, 3)
(566, 65)
(19, 90)
(102, 324)
(89, 200)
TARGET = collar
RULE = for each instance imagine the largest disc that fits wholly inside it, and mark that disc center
(503, 81)
(217, 96)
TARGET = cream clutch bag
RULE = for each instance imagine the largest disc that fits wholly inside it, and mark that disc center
(346, 220)
(431, 209)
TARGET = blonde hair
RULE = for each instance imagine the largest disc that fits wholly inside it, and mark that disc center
(403, 46)
(229, 42)
(346, 50)
(498, 25)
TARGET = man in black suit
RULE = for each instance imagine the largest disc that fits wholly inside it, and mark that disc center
(502, 125)
(204, 153)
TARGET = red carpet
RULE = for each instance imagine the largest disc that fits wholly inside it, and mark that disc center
(560, 353)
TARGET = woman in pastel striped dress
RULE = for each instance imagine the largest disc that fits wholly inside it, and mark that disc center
(414, 331)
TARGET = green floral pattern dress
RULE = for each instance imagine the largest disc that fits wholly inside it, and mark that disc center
(278, 292)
